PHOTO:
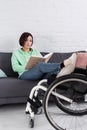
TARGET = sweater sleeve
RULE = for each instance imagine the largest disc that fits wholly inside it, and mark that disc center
(16, 66)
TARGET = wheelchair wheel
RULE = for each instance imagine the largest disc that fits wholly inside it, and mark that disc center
(31, 123)
(67, 111)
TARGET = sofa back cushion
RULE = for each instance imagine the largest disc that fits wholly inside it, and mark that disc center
(5, 61)
(58, 57)
(5, 64)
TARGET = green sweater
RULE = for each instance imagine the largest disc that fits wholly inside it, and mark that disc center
(20, 58)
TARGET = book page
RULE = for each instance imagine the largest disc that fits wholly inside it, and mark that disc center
(34, 60)
(47, 57)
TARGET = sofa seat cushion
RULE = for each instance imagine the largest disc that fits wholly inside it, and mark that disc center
(13, 87)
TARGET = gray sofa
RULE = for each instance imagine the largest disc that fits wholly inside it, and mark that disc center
(14, 90)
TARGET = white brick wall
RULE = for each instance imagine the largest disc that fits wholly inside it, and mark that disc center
(57, 25)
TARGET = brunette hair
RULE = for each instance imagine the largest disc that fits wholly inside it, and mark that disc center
(24, 37)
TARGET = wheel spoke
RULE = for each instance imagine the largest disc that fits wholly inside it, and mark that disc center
(63, 114)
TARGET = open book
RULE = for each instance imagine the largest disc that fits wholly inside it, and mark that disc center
(34, 60)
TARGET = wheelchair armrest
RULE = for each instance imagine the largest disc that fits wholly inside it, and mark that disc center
(81, 71)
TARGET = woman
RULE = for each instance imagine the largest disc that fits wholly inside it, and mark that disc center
(21, 56)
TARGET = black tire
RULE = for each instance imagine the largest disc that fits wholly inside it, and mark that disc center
(59, 102)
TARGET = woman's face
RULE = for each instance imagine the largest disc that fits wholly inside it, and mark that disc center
(28, 42)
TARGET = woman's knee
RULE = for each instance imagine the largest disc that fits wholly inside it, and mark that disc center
(41, 63)
(40, 66)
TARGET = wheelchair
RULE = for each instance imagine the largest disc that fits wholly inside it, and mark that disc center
(64, 102)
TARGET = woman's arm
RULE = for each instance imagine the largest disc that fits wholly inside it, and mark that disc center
(16, 66)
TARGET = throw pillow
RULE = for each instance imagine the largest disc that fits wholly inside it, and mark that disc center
(2, 74)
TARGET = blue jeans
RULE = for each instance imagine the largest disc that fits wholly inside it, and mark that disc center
(41, 71)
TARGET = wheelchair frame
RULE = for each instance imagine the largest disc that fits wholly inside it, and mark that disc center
(31, 99)
(34, 92)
